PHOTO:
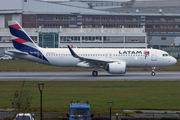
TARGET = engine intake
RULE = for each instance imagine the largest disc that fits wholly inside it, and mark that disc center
(116, 68)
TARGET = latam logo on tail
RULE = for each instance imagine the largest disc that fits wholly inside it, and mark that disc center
(23, 42)
(135, 52)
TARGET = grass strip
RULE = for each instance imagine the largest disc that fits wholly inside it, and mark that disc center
(155, 95)
(22, 65)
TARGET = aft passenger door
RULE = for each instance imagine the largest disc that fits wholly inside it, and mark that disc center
(110, 55)
(106, 55)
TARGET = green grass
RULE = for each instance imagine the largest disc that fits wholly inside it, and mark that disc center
(22, 65)
(126, 95)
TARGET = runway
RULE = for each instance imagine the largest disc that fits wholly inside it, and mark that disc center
(86, 76)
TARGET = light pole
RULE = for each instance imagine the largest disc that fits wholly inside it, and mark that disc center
(110, 105)
(41, 86)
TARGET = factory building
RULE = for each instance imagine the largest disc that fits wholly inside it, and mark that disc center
(86, 23)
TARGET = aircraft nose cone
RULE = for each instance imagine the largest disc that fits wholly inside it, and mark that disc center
(173, 61)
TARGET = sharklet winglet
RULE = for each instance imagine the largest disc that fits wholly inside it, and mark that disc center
(72, 52)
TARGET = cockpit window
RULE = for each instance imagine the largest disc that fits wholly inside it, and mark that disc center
(165, 55)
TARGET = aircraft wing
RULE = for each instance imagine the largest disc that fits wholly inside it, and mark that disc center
(90, 60)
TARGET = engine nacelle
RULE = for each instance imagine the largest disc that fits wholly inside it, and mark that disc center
(116, 68)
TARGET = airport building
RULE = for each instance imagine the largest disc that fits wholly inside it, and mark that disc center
(94, 23)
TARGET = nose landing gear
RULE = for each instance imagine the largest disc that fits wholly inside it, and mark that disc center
(153, 72)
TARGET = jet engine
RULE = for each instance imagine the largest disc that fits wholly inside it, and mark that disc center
(116, 68)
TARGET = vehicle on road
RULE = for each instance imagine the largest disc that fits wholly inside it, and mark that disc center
(6, 57)
(24, 116)
(79, 110)
(113, 60)
(1, 118)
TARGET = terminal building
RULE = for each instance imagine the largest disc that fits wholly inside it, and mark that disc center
(94, 23)
(94, 38)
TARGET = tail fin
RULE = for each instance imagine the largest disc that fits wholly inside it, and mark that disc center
(23, 42)
(21, 39)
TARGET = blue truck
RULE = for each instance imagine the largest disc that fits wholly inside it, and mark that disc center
(79, 110)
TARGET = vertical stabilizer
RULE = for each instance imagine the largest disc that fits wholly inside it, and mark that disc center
(20, 38)
(23, 42)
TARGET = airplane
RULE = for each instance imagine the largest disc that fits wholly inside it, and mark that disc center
(115, 61)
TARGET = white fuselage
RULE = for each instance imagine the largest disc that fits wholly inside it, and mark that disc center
(132, 57)
(114, 61)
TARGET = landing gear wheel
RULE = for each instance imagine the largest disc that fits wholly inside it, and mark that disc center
(94, 73)
(153, 73)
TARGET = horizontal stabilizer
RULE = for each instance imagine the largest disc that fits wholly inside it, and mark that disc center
(16, 52)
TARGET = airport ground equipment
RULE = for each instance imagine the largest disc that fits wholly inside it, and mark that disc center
(79, 110)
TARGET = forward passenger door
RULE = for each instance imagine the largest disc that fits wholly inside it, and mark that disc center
(153, 55)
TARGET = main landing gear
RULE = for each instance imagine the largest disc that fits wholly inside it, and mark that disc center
(94, 73)
(153, 72)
